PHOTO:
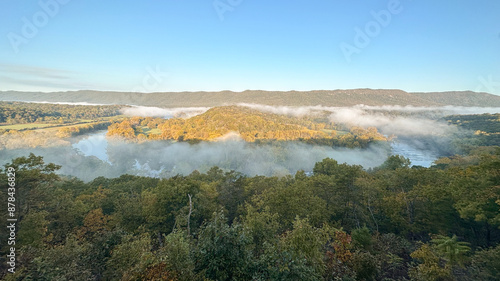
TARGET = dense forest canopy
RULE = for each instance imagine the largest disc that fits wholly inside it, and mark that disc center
(340, 223)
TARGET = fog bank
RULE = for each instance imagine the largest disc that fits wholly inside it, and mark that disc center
(166, 159)
(389, 119)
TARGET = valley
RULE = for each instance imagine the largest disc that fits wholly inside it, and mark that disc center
(113, 140)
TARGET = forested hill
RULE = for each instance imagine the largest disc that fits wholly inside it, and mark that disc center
(249, 124)
(291, 98)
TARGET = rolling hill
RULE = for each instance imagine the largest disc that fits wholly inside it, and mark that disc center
(220, 123)
(291, 98)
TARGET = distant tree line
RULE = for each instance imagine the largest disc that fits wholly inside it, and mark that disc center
(71, 131)
(22, 113)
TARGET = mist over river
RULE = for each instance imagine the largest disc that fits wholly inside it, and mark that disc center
(417, 156)
(95, 155)
(96, 145)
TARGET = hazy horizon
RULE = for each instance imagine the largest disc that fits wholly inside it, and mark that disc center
(252, 90)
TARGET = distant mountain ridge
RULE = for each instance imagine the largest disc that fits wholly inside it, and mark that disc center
(352, 97)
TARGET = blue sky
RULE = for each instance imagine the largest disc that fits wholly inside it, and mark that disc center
(181, 45)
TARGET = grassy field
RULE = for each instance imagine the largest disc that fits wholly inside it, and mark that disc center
(147, 131)
(38, 127)
(339, 133)
(155, 131)
(29, 126)
(55, 126)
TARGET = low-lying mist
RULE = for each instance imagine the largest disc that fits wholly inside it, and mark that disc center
(165, 159)
(401, 121)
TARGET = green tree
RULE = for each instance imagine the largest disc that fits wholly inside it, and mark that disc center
(33, 229)
(453, 251)
(33, 178)
(395, 162)
(278, 263)
(231, 193)
(63, 262)
(486, 264)
(429, 268)
(295, 198)
(365, 265)
(176, 255)
(336, 184)
(306, 242)
(130, 258)
(223, 251)
(476, 192)
(362, 238)
(263, 226)
(166, 206)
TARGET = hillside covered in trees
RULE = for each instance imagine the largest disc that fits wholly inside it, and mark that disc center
(348, 97)
(249, 124)
(340, 223)
(486, 127)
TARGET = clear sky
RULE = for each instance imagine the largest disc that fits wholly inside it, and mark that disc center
(182, 45)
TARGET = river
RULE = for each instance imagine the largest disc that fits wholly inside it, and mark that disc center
(97, 145)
